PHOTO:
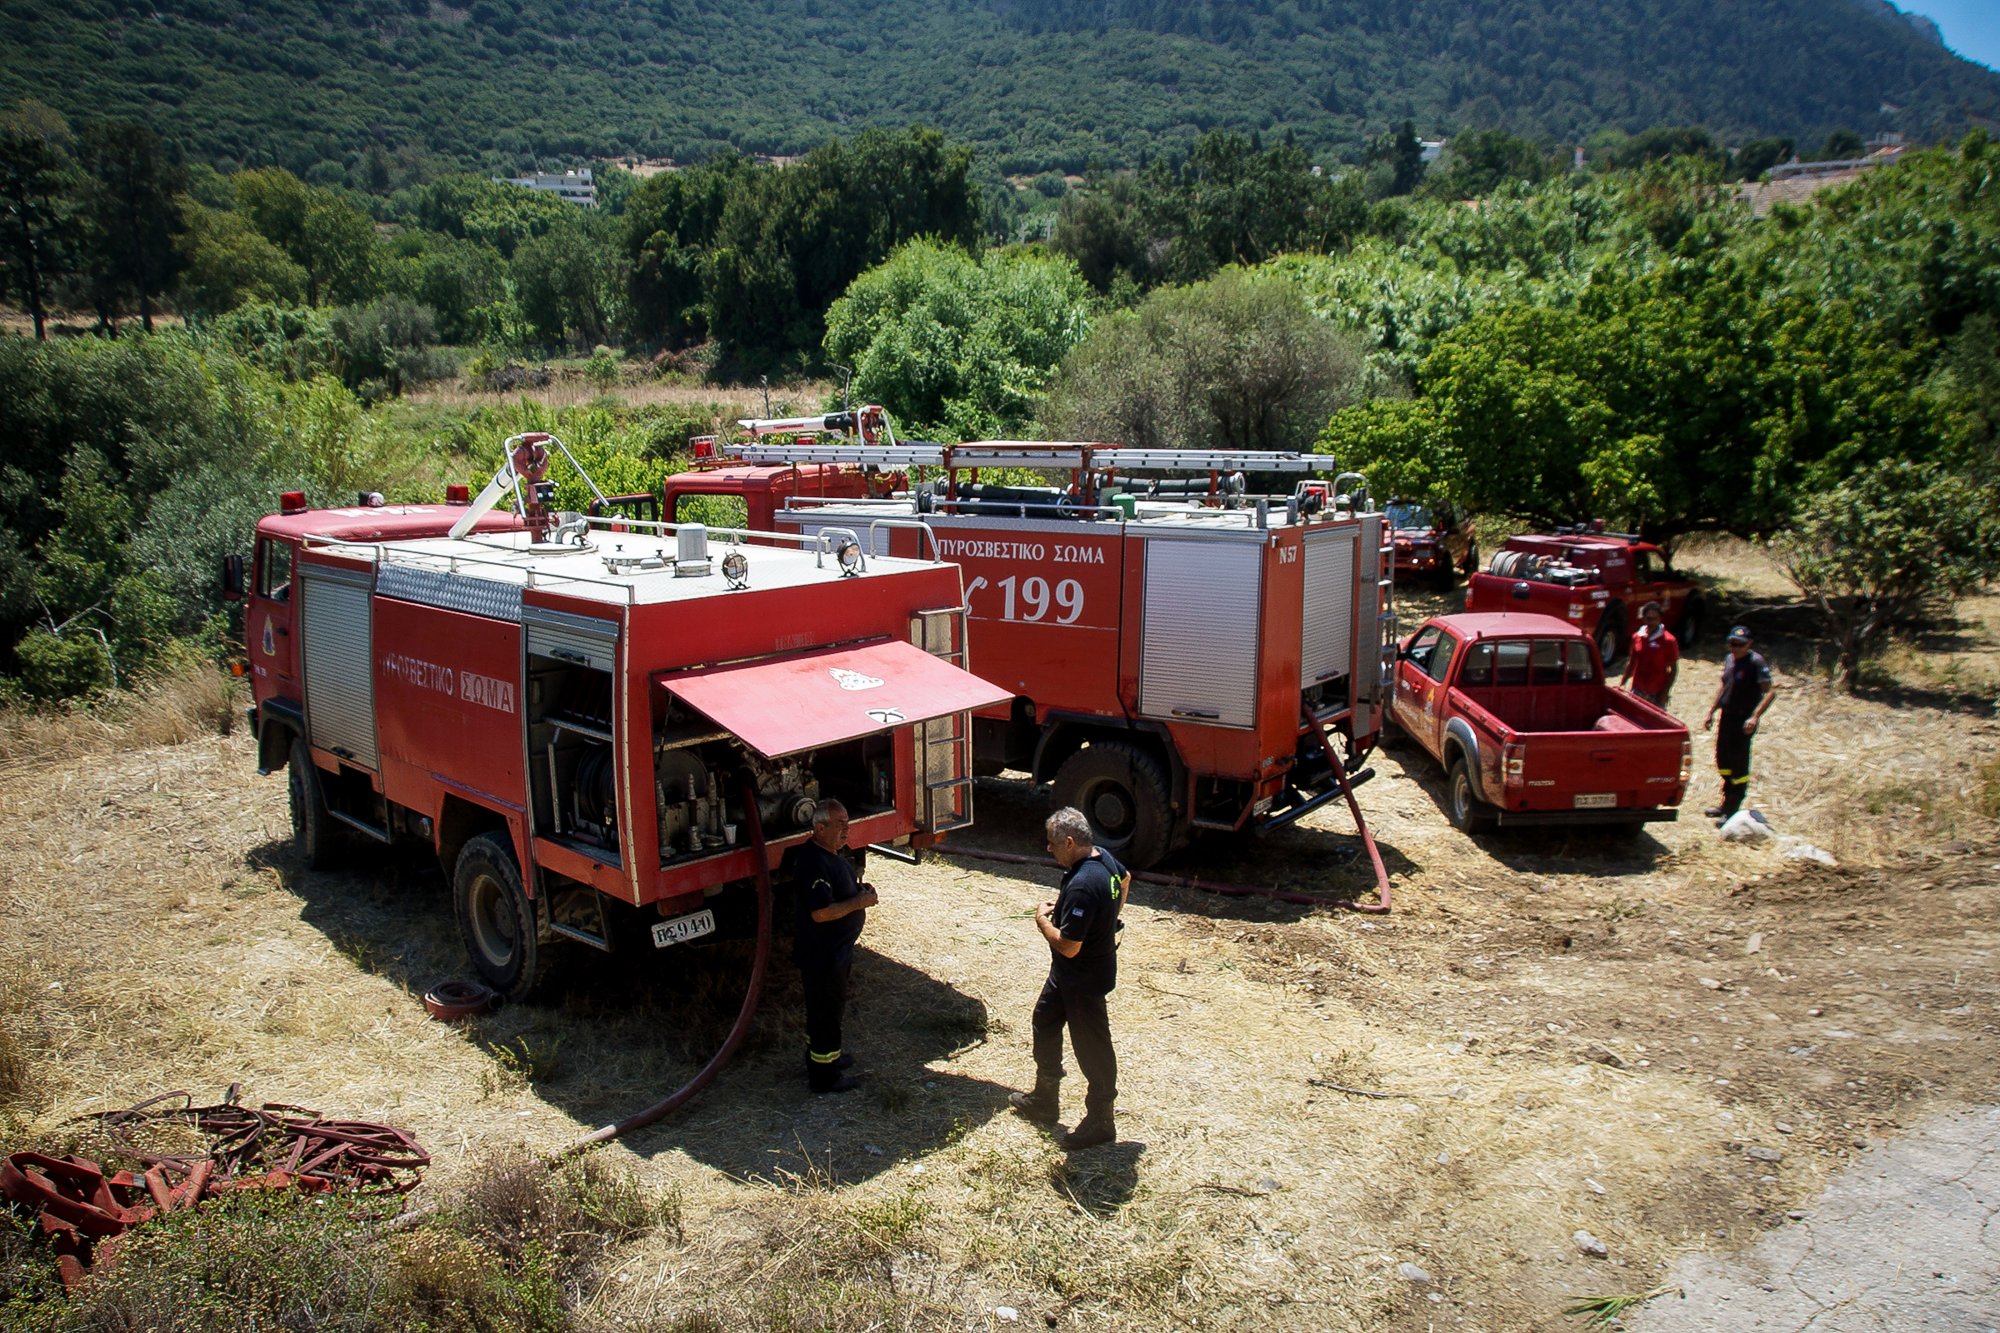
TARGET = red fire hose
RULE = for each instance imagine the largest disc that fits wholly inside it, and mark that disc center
(706, 1075)
(1380, 907)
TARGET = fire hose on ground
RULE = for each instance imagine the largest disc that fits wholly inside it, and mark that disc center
(84, 1210)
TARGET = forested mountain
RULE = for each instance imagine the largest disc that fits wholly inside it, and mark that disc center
(353, 87)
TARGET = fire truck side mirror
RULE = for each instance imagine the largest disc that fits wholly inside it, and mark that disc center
(232, 578)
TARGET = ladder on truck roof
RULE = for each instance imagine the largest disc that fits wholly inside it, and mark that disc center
(1035, 454)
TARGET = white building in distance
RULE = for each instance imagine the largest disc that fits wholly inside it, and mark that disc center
(576, 186)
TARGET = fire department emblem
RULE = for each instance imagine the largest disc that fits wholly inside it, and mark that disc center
(853, 680)
(270, 644)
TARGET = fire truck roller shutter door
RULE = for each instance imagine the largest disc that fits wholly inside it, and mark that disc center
(1329, 584)
(1204, 600)
(337, 612)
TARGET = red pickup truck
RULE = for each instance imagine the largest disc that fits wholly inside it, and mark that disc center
(1516, 709)
(1597, 581)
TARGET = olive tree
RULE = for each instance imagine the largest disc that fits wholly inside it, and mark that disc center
(1887, 548)
(1233, 363)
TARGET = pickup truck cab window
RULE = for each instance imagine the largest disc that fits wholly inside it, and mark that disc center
(1478, 668)
(1438, 665)
(1431, 653)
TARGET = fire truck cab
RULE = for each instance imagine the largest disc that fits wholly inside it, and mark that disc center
(591, 718)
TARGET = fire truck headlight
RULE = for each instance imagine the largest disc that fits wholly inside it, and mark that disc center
(736, 569)
(848, 556)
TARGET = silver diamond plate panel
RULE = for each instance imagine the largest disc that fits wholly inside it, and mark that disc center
(450, 592)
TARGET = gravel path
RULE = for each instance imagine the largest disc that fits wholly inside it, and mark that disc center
(1908, 1239)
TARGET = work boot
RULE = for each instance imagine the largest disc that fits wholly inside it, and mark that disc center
(1043, 1105)
(1713, 812)
(1094, 1129)
(840, 1083)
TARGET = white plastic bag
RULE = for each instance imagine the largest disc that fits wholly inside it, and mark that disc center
(1746, 826)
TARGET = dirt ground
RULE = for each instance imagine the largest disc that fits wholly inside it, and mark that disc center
(1328, 1120)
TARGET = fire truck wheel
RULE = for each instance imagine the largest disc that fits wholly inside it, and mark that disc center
(495, 917)
(1468, 813)
(1611, 634)
(1123, 793)
(315, 835)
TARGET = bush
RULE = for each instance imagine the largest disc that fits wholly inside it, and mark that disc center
(64, 666)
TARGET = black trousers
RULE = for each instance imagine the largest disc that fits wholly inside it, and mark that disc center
(1089, 1023)
(1732, 761)
(826, 1001)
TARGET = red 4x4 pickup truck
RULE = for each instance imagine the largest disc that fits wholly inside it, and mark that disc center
(1516, 709)
(1597, 581)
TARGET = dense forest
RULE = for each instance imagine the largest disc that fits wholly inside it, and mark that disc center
(1495, 332)
(374, 92)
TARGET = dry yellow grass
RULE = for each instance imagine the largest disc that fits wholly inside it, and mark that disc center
(1537, 1013)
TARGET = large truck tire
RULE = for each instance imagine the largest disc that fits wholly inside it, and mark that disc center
(1122, 791)
(1468, 813)
(495, 918)
(317, 836)
(1610, 634)
(1693, 613)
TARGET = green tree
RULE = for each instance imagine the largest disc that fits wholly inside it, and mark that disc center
(38, 181)
(1102, 229)
(791, 240)
(225, 261)
(329, 238)
(129, 202)
(1888, 547)
(956, 345)
(1477, 163)
(1233, 363)
(1758, 156)
(568, 282)
(671, 220)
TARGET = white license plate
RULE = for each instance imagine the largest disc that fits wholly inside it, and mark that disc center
(1593, 800)
(684, 928)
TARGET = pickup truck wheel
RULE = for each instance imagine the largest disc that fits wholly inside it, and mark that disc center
(316, 835)
(1692, 615)
(1468, 813)
(495, 918)
(1123, 793)
(1611, 634)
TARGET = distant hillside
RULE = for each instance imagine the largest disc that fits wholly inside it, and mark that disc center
(1034, 83)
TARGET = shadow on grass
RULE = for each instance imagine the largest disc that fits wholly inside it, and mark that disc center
(618, 1032)
(1330, 866)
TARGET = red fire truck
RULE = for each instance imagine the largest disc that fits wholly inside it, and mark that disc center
(589, 716)
(1179, 654)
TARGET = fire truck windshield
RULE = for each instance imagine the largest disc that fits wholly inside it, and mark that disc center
(1407, 514)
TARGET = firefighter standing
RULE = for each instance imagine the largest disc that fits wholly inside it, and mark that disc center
(832, 909)
(1081, 927)
(1743, 696)
(1655, 659)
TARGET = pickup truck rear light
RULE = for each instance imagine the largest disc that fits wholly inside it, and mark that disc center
(1514, 763)
(1687, 761)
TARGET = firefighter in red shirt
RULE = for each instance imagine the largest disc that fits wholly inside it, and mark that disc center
(1655, 658)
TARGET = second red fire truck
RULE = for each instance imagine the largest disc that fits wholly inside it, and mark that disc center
(1178, 654)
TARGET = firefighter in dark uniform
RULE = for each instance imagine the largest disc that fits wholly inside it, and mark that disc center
(1741, 699)
(1081, 927)
(833, 906)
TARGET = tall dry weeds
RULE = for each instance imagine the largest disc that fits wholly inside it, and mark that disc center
(192, 698)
